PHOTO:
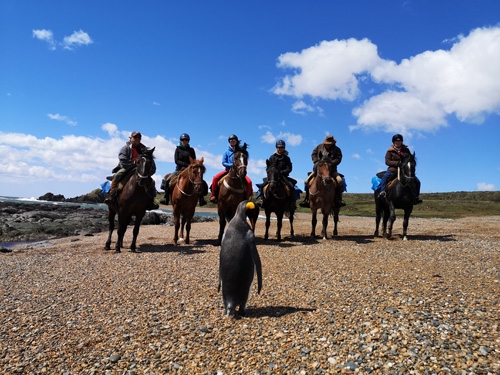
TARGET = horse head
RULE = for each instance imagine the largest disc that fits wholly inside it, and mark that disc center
(406, 169)
(240, 161)
(145, 164)
(325, 169)
(275, 180)
(195, 172)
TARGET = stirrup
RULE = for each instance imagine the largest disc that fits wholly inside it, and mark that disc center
(213, 199)
(304, 204)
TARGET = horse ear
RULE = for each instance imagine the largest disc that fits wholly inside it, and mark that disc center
(202, 160)
(151, 150)
(191, 160)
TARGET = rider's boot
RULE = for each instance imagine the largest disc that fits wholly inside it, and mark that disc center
(305, 202)
(152, 204)
(164, 200)
(110, 199)
(340, 202)
(417, 200)
(202, 201)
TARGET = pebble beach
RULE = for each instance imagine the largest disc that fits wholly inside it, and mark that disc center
(353, 304)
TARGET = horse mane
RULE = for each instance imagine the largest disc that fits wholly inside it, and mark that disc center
(326, 159)
(243, 149)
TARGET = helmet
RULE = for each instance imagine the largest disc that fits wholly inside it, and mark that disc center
(397, 137)
(184, 136)
(233, 136)
(280, 143)
(135, 134)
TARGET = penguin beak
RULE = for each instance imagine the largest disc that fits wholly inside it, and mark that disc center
(252, 223)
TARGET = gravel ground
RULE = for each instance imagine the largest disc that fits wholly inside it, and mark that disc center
(355, 304)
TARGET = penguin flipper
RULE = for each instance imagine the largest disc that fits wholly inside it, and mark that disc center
(258, 267)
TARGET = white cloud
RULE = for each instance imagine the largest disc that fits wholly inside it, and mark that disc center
(156, 103)
(483, 186)
(327, 70)
(78, 38)
(65, 119)
(47, 36)
(289, 138)
(356, 156)
(417, 95)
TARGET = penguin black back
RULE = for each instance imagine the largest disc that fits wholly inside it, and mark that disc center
(239, 260)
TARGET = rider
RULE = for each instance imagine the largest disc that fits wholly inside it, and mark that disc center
(183, 152)
(393, 157)
(330, 149)
(127, 158)
(282, 161)
(227, 162)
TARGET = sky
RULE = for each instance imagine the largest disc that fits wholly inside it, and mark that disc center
(77, 77)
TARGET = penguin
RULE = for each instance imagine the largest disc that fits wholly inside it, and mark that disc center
(238, 261)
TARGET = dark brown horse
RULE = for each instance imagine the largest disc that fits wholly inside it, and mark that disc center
(400, 194)
(232, 190)
(133, 199)
(322, 196)
(278, 199)
(185, 195)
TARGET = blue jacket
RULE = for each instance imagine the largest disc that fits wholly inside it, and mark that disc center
(228, 156)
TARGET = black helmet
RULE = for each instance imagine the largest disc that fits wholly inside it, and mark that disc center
(233, 136)
(184, 136)
(280, 143)
(397, 137)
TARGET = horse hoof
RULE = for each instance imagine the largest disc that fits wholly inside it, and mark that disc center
(180, 241)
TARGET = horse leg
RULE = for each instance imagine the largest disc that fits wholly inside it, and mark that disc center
(222, 225)
(111, 228)
(314, 221)
(279, 220)
(405, 222)
(325, 225)
(290, 218)
(135, 233)
(176, 227)
(188, 228)
(392, 219)
(335, 220)
(122, 227)
(378, 216)
(268, 223)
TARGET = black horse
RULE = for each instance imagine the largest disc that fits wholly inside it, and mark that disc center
(277, 198)
(400, 193)
(133, 199)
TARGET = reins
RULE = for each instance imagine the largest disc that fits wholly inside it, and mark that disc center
(191, 180)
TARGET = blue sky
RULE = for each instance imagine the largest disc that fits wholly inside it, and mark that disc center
(76, 77)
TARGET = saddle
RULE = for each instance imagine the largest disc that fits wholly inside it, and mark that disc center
(310, 179)
(287, 189)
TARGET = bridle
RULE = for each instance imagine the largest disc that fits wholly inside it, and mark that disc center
(403, 178)
(196, 184)
(237, 174)
(274, 182)
(144, 170)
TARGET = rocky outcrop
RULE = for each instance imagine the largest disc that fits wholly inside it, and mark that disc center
(42, 221)
(93, 197)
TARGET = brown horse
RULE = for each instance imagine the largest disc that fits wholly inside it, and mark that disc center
(185, 194)
(322, 196)
(133, 199)
(232, 190)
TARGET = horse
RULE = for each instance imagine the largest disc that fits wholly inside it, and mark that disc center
(185, 196)
(133, 199)
(232, 190)
(322, 196)
(276, 199)
(400, 193)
